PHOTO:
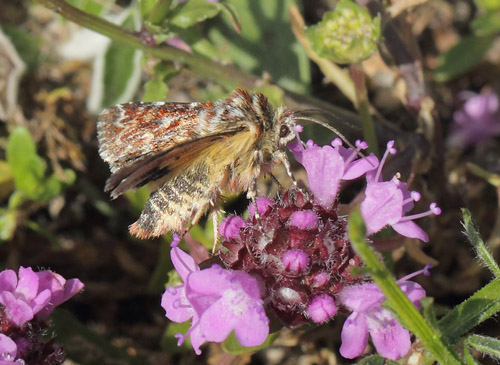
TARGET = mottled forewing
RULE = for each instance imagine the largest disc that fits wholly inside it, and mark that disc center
(159, 165)
(131, 131)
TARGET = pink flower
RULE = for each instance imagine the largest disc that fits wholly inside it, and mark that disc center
(368, 318)
(477, 120)
(387, 202)
(326, 166)
(34, 293)
(217, 301)
(8, 351)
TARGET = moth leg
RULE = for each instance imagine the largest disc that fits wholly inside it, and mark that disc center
(276, 181)
(216, 215)
(281, 156)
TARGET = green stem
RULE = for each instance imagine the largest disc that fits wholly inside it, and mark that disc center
(363, 106)
(410, 316)
(225, 75)
(477, 242)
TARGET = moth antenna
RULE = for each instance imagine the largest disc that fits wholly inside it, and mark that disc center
(327, 126)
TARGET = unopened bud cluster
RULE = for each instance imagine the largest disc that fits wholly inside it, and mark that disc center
(346, 35)
(300, 251)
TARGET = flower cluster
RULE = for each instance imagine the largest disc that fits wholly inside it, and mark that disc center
(217, 301)
(25, 303)
(477, 120)
(291, 260)
(369, 317)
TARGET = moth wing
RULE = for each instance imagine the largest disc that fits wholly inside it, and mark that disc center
(159, 165)
(129, 132)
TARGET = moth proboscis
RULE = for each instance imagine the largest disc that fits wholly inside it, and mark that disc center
(191, 153)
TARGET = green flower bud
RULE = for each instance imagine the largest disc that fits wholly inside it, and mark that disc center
(346, 35)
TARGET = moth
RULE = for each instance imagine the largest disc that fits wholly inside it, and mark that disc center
(191, 153)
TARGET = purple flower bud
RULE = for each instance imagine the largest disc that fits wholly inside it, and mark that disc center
(304, 219)
(263, 205)
(230, 227)
(295, 261)
(322, 308)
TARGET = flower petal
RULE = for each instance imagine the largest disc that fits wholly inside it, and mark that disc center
(410, 229)
(17, 311)
(354, 337)
(252, 328)
(8, 280)
(390, 339)
(217, 322)
(176, 305)
(183, 263)
(8, 349)
(359, 298)
(324, 167)
(27, 286)
(360, 166)
(382, 205)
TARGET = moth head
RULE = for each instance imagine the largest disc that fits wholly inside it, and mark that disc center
(284, 127)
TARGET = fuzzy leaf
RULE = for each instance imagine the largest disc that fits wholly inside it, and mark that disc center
(484, 304)
(194, 11)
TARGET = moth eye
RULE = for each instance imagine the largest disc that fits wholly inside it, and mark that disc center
(284, 130)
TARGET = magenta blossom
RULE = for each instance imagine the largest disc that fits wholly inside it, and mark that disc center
(477, 120)
(35, 293)
(217, 301)
(387, 202)
(326, 166)
(369, 318)
(8, 351)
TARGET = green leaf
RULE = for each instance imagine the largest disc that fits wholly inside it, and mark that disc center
(487, 5)
(376, 360)
(487, 345)
(90, 6)
(146, 7)
(27, 167)
(138, 199)
(8, 223)
(194, 11)
(54, 186)
(266, 43)
(169, 341)
(462, 57)
(160, 11)
(482, 305)
(233, 347)
(487, 24)
(155, 89)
